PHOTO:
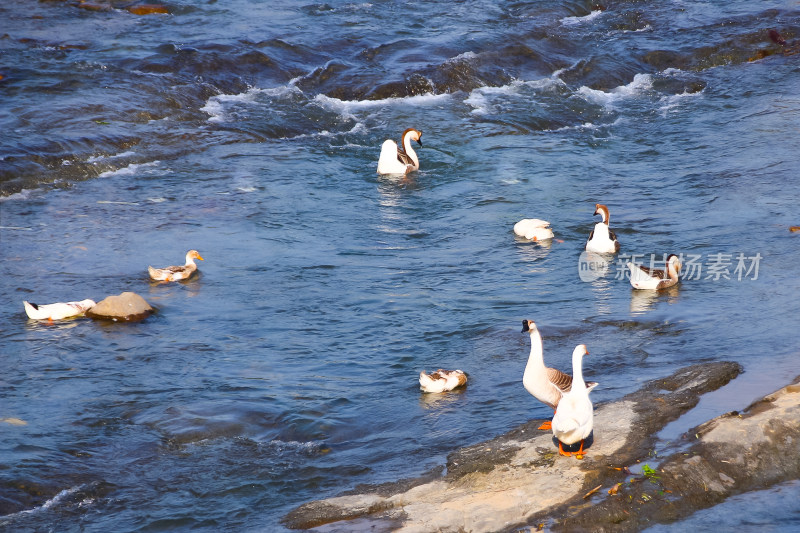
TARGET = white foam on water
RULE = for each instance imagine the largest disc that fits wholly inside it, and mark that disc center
(216, 106)
(346, 108)
(24, 194)
(462, 56)
(674, 100)
(479, 99)
(46, 505)
(157, 200)
(572, 21)
(97, 158)
(584, 126)
(640, 84)
(133, 168)
(358, 128)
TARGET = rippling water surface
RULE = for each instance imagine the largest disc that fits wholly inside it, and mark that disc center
(287, 370)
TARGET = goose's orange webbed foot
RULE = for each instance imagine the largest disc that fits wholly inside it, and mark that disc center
(562, 452)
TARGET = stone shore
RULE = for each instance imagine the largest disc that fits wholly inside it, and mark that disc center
(518, 481)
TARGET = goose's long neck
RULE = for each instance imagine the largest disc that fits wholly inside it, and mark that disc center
(672, 271)
(577, 370)
(190, 261)
(535, 359)
(409, 150)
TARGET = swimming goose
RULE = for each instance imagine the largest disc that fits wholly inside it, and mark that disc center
(57, 311)
(548, 385)
(175, 273)
(396, 160)
(441, 380)
(654, 278)
(533, 229)
(574, 414)
(602, 240)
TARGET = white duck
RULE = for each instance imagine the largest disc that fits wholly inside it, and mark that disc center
(533, 229)
(441, 380)
(57, 311)
(574, 416)
(602, 240)
(175, 273)
(396, 160)
(643, 277)
(548, 385)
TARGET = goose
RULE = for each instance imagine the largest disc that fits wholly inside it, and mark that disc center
(654, 278)
(57, 311)
(441, 380)
(548, 385)
(396, 160)
(175, 273)
(602, 240)
(533, 229)
(574, 414)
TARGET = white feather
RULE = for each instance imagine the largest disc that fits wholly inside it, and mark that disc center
(533, 229)
(57, 311)
(574, 416)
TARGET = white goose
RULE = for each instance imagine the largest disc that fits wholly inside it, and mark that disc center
(57, 311)
(441, 380)
(548, 385)
(176, 273)
(602, 240)
(396, 160)
(643, 277)
(574, 416)
(533, 229)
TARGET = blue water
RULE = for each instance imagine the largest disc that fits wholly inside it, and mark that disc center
(287, 370)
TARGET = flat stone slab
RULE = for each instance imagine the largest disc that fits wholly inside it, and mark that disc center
(124, 307)
(518, 478)
(730, 454)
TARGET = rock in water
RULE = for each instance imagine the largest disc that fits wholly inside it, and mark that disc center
(148, 9)
(125, 307)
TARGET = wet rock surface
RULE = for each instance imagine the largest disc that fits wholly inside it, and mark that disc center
(518, 479)
(125, 307)
(731, 454)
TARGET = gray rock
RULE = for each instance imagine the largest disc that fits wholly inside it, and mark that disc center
(124, 307)
(731, 454)
(518, 478)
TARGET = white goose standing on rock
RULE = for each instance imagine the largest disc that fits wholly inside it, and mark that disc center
(574, 418)
(643, 277)
(548, 385)
(602, 240)
(397, 160)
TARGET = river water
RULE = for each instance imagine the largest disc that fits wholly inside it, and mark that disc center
(287, 370)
